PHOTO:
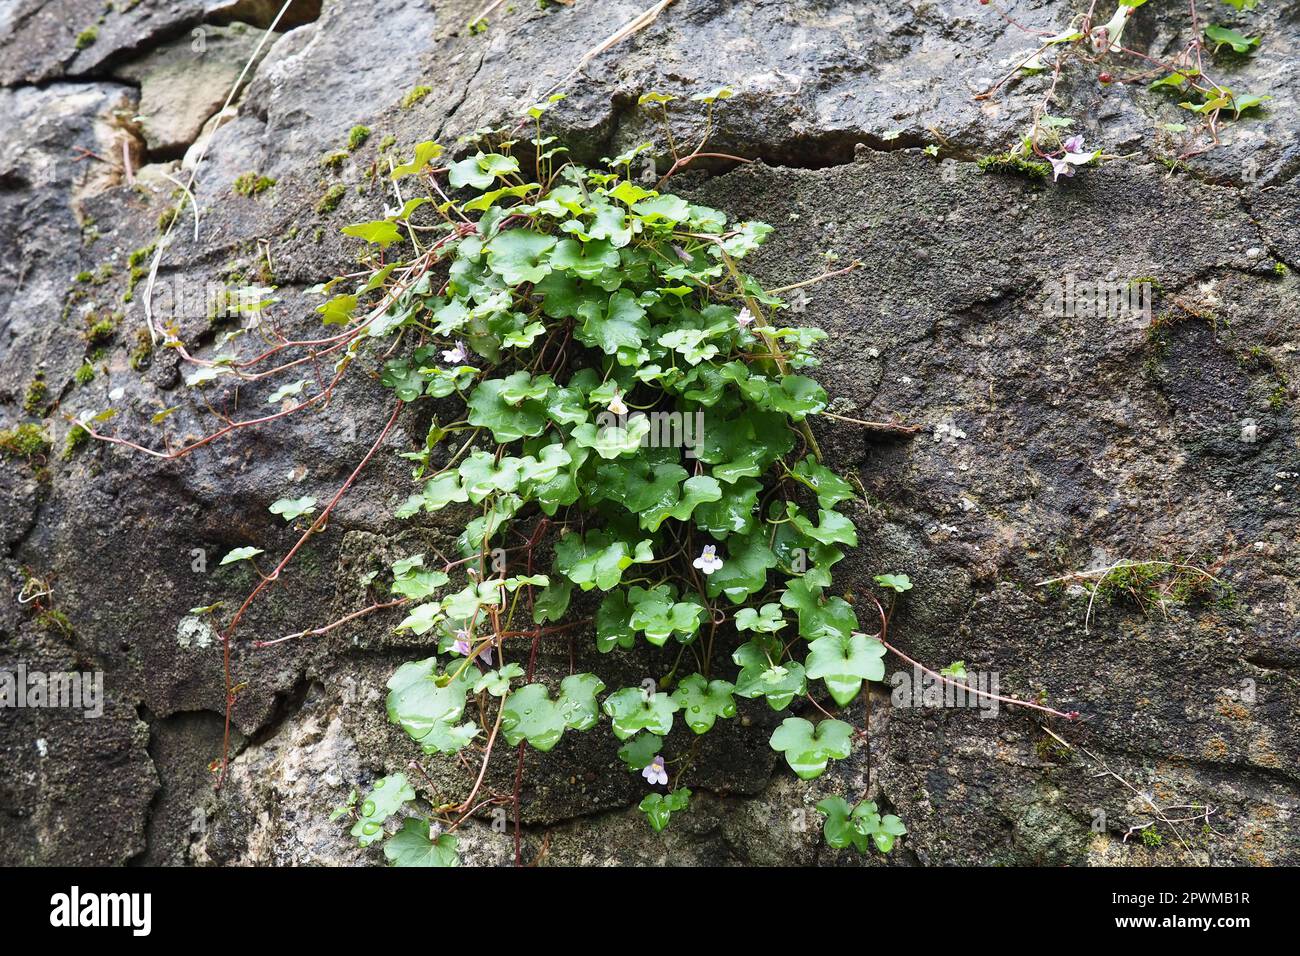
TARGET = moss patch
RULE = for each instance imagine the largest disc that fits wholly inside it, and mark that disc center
(24, 441)
(330, 201)
(357, 137)
(415, 96)
(1014, 164)
(251, 184)
(37, 392)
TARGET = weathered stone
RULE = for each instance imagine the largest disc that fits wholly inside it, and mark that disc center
(1053, 443)
(186, 82)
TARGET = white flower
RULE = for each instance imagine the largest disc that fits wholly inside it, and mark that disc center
(708, 561)
(655, 772)
(616, 406)
(455, 356)
(744, 318)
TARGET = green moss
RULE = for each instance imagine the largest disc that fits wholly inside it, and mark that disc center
(135, 263)
(1011, 162)
(387, 143)
(37, 392)
(77, 437)
(138, 256)
(334, 160)
(357, 136)
(251, 184)
(56, 622)
(330, 201)
(24, 441)
(1277, 399)
(84, 375)
(1280, 268)
(85, 276)
(86, 37)
(415, 96)
(142, 354)
(166, 218)
(1174, 165)
(101, 331)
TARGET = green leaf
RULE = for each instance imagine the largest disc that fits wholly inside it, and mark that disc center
(464, 604)
(854, 826)
(819, 616)
(412, 846)
(640, 750)
(670, 209)
(418, 584)
(744, 569)
(763, 674)
(497, 683)
(703, 701)
(241, 554)
(598, 559)
(481, 170)
(424, 152)
(831, 489)
(384, 799)
(898, 582)
(621, 324)
(613, 622)
(291, 508)
(766, 620)
(613, 441)
(659, 614)
(844, 663)
(508, 422)
(530, 714)
(632, 710)
(422, 619)
(1222, 35)
(808, 751)
(695, 491)
(427, 704)
(517, 255)
(733, 513)
(279, 395)
(659, 807)
(552, 602)
(832, 527)
(381, 232)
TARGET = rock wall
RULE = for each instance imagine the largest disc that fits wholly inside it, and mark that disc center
(1052, 443)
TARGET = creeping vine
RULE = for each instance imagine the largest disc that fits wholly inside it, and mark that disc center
(628, 422)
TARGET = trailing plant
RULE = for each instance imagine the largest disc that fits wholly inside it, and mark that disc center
(618, 421)
(1087, 43)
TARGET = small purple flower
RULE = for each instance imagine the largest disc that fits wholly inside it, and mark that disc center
(1061, 167)
(744, 318)
(655, 772)
(455, 355)
(708, 561)
(462, 646)
(1074, 144)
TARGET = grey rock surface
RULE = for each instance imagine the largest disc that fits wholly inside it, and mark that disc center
(1052, 443)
